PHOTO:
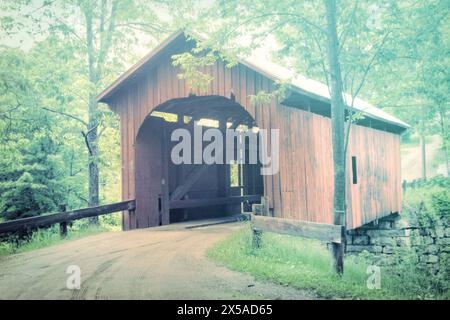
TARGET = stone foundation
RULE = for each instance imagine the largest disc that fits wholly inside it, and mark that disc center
(393, 234)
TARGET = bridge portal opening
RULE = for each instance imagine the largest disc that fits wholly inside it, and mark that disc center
(171, 189)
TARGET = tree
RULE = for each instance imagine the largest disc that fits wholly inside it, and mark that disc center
(337, 124)
(30, 170)
(412, 81)
(319, 40)
(108, 29)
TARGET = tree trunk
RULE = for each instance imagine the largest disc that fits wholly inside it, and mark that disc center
(444, 138)
(96, 63)
(424, 156)
(92, 139)
(338, 121)
(91, 135)
(423, 150)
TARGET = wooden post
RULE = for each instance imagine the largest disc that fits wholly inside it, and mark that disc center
(62, 225)
(256, 233)
(256, 238)
(256, 208)
(131, 210)
(265, 206)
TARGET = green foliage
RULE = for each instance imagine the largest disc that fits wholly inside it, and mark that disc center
(264, 98)
(30, 169)
(394, 54)
(410, 276)
(300, 263)
(77, 48)
(44, 93)
(429, 203)
(427, 207)
(192, 66)
(30, 185)
(306, 264)
(48, 237)
(43, 156)
(441, 203)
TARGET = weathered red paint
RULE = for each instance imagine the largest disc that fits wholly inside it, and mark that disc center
(303, 188)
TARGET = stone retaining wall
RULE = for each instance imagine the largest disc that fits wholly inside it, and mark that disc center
(391, 234)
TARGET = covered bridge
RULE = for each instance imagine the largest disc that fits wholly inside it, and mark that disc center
(152, 101)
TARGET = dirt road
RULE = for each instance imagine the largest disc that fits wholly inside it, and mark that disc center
(141, 264)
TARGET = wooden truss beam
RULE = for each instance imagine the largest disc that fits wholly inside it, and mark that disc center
(193, 176)
(192, 203)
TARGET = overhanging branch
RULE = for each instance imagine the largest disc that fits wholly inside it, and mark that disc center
(66, 115)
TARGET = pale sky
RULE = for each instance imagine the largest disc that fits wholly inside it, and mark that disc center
(22, 38)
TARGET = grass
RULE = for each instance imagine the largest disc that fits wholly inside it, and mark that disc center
(49, 237)
(306, 264)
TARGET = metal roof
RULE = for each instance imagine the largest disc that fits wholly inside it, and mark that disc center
(271, 70)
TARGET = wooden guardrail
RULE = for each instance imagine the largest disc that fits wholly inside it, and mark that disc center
(64, 217)
(329, 233)
(261, 221)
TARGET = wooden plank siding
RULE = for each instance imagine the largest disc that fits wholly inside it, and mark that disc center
(303, 187)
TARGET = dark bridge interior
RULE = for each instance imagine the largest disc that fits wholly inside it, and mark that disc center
(167, 192)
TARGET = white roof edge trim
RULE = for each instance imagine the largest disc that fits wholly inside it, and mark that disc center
(304, 85)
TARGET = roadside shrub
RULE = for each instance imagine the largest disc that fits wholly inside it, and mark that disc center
(50, 236)
(440, 202)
